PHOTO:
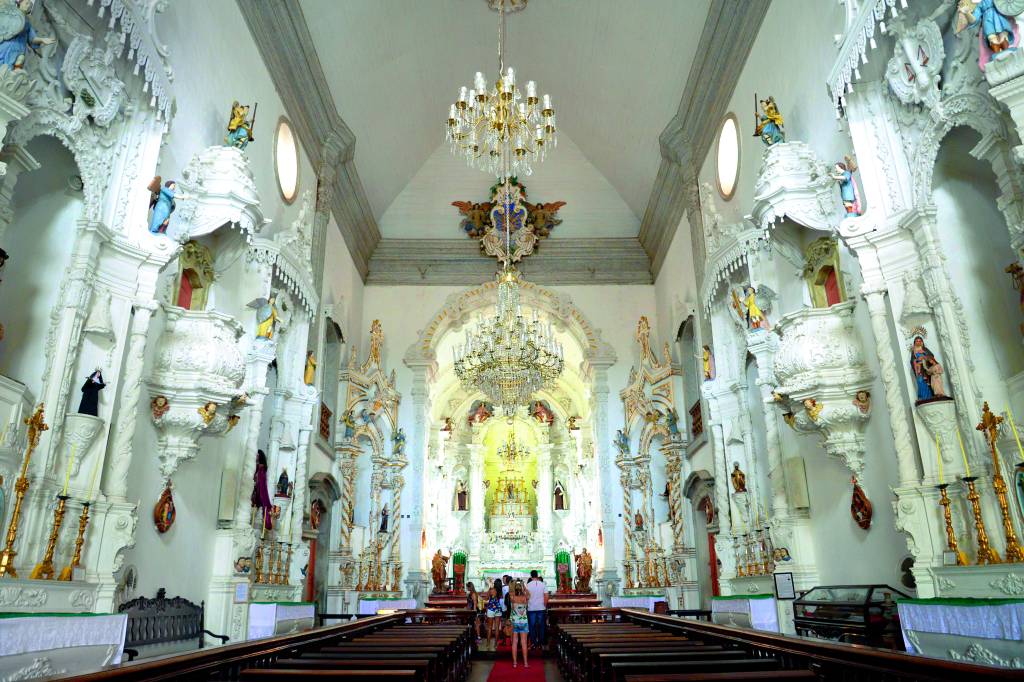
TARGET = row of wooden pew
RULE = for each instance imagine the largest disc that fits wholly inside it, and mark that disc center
(630, 652)
(419, 652)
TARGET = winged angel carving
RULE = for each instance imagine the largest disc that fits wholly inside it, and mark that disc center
(527, 222)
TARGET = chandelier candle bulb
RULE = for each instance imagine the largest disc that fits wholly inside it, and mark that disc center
(967, 467)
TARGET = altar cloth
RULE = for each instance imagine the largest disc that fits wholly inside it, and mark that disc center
(267, 619)
(636, 602)
(371, 606)
(757, 611)
(995, 619)
(44, 644)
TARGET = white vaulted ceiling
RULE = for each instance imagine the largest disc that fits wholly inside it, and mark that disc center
(615, 69)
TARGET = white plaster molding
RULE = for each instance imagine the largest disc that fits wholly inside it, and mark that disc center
(858, 36)
(219, 190)
(793, 183)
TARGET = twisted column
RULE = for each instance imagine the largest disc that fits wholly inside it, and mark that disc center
(115, 479)
(898, 417)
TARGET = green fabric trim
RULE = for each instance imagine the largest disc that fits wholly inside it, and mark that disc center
(83, 614)
(286, 603)
(960, 601)
(746, 596)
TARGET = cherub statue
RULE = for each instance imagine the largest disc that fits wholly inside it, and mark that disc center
(266, 315)
(476, 217)
(543, 217)
(239, 129)
(208, 412)
(161, 202)
(862, 401)
(572, 424)
(159, 406)
(17, 35)
(769, 126)
(309, 375)
(709, 364)
(842, 173)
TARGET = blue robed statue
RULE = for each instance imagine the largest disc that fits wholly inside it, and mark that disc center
(162, 204)
(17, 33)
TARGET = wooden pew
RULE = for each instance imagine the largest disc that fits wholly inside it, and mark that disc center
(774, 676)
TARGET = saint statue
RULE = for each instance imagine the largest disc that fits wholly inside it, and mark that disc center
(17, 34)
(842, 173)
(239, 129)
(739, 479)
(438, 572)
(349, 422)
(282, 485)
(559, 497)
(398, 442)
(997, 29)
(309, 375)
(541, 412)
(461, 496)
(572, 424)
(638, 521)
(315, 511)
(672, 421)
(383, 520)
(927, 371)
(91, 394)
(449, 425)
(769, 126)
(479, 413)
(709, 364)
(584, 569)
(622, 443)
(260, 497)
(749, 310)
(161, 202)
(266, 315)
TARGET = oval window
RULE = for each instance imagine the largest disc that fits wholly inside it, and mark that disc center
(728, 156)
(286, 161)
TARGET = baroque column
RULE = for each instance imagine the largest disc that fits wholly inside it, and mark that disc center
(260, 357)
(115, 478)
(894, 399)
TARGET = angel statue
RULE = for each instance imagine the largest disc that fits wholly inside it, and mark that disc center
(842, 173)
(266, 316)
(477, 217)
(749, 309)
(997, 28)
(769, 126)
(622, 443)
(543, 217)
(398, 442)
(239, 129)
(161, 201)
(17, 34)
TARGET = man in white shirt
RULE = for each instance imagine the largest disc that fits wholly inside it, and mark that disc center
(536, 609)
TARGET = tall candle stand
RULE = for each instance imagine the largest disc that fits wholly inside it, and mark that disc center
(68, 572)
(741, 571)
(257, 564)
(44, 570)
(36, 426)
(360, 583)
(989, 425)
(986, 555)
(749, 554)
(628, 569)
(951, 543)
(763, 551)
(288, 566)
(279, 573)
(666, 581)
(396, 570)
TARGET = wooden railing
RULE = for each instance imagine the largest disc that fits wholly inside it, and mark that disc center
(845, 662)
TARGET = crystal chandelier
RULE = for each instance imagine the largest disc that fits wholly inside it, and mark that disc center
(500, 128)
(509, 357)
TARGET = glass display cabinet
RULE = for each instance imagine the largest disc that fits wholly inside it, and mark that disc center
(859, 614)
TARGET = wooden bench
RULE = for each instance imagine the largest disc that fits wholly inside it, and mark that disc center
(162, 621)
(775, 676)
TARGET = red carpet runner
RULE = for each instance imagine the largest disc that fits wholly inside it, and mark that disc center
(503, 669)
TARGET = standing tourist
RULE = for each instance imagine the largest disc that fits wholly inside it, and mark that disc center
(520, 621)
(537, 609)
(492, 611)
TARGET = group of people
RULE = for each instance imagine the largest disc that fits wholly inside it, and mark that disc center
(511, 608)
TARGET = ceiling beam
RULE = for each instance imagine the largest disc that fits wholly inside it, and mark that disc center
(729, 32)
(286, 46)
(459, 262)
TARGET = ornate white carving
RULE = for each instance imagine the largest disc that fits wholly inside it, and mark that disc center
(794, 184)
(22, 597)
(290, 254)
(976, 653)
(83, 599)
(40, 667)
(940, 419)
(80, 432)
(198, 362)
(820, 367)
(219, 190)
(1011, 584)
(859, 35)
(99, 322)
(913, 72)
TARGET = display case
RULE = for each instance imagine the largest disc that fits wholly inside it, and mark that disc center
(861, 614)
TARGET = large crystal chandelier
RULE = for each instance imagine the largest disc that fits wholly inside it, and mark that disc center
(509, 357)
(500, 128)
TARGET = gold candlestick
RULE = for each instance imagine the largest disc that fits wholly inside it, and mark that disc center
(360, 585)
(36, 426)
(258, 564)
(989, 426)
(44, 569)
(627, 568)
(986, 555)
(67, 573)
(951, 543)
(664, 570)
(279, 574)
(271, 563)
(288, 567)
(741, 571)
